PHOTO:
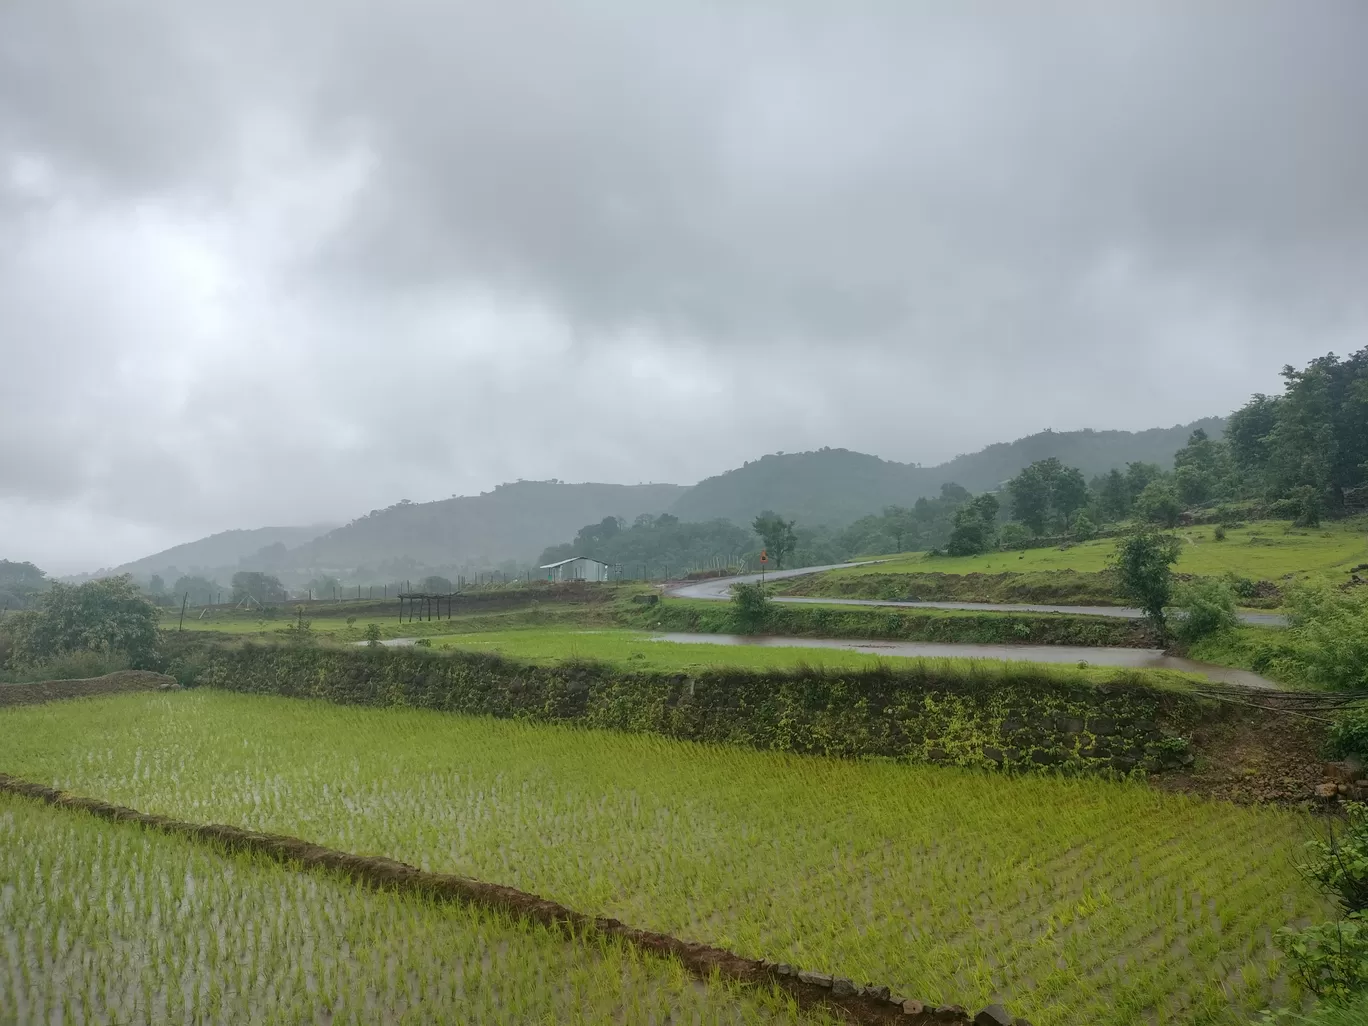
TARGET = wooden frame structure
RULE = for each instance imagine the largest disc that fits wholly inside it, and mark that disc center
(421, 605)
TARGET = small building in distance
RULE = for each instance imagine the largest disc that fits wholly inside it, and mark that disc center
(578, 568)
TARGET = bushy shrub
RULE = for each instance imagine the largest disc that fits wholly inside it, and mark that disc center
(373, 635)
(1331, 958)
(1207, 607)
(1083, 528)
(1348, 735)
(1014, 536)
(1220, 533)
(750, 607)
(108, 616)
(1333, 629)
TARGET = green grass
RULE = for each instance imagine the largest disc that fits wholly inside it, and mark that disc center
(636, 650)
(1074, 900)
(1262, 550)
(110, 923)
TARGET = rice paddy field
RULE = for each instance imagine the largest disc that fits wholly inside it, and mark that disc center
(1261, 550)
(1071, 900)
(105, 923)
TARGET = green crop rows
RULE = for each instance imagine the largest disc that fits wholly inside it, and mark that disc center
(1072, 900)
(104, 923)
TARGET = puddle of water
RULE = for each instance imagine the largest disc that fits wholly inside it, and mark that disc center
(1135, 658)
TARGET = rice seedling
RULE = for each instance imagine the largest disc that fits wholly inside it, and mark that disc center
(104, 923)
(1072, 900)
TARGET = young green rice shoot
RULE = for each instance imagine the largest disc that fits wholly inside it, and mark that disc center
(1072, 900)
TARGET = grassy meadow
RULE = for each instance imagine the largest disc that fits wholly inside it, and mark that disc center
(1073, 900)
(109, 923)
(1261, 550)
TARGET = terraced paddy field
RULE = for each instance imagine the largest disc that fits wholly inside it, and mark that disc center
(110, 923)
(1072, 900)
(1271, 551)
(1261, 550)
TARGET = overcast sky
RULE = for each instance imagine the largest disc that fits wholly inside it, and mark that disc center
(277, 261)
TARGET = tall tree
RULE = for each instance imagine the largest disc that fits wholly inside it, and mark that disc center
(1143, 562)
(975, 528)
(1047, 494)
(108, 615)
(777, 534)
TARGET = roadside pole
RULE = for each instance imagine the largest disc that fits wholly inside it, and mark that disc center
(764, 558)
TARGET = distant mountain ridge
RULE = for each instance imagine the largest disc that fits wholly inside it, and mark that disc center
(837, 486)
(227, 549)
(514, 522)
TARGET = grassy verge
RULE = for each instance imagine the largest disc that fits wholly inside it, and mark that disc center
(635, 650)
(114, 923)
(837, 621)
(1270, 651)
(1077, 900)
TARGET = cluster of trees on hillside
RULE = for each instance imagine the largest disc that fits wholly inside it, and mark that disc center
(662, 544)
(21, 585)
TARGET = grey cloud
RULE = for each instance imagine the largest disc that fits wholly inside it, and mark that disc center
(247, 251)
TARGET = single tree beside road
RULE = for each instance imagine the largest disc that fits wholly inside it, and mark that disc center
(777, 534)
(1144, 563)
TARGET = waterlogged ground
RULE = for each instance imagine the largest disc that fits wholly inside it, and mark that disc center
(107, 923)
(1071, 900)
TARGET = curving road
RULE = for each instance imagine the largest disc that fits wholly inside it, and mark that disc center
(719, 589)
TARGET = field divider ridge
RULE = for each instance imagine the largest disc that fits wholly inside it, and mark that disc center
(860, 1004)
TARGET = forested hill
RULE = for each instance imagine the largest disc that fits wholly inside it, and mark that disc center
(514, 521)
(227, 549)
(837, 486)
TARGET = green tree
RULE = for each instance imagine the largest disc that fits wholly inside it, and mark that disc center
(1158, 504)
(975, 527)
(778, 535)
(202, 591)
(1143, 564)
(255, 586)
(1014, 536)
(109, 615)
(1083, 528)
(1114, 496)
(1139, 476)
(900, 524)
(435, 585)
(1046, 494)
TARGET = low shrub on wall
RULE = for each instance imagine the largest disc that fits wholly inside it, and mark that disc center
(966, 714)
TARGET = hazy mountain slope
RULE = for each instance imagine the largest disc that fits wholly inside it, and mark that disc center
(514, 521)
(831, 486)
(837, 486)
(1093, 452)
(225, 549)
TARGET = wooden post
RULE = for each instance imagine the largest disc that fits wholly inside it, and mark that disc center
(401, 608)
(182, 619)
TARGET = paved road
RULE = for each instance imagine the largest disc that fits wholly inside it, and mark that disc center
(720, 589)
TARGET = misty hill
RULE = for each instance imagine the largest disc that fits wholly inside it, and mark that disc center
(224, 550)
(512, 522)
(837, 486)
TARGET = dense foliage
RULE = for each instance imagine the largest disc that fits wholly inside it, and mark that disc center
(106, 616)
(21, 585)
(1331, 958)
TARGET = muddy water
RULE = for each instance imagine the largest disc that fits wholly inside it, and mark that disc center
(1137, 658)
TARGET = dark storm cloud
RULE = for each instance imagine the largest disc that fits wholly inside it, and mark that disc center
(240, 240)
